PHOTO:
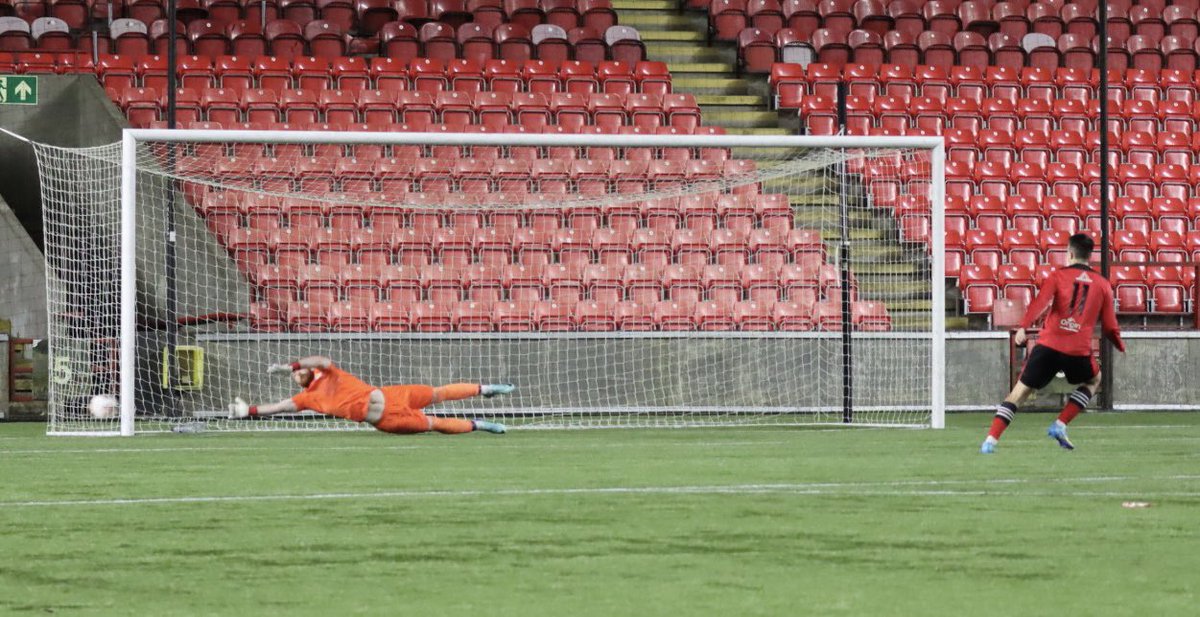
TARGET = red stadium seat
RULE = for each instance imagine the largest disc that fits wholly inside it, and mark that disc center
(273, 73)
(591, 316)
(373, 14)
(1008, 313)
(1168, 290)
(870, 317)
(756, 50)
(208, 38)
(902, 47)
(597, 14)
(553, 317)
(513, 42)
(399, 41)
(1016, 283)
(756, 316)
(247, 37)
(979, 287)
(1130, 288)
(712, 316)
(285, 39)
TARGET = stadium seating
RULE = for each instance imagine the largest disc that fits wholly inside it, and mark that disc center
(947, 34)
(401, 29)
(349, 267)
(1008, 85)
(355, 268)
(1022, 144)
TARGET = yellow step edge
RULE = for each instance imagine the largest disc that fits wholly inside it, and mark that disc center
(667, 47)
(740, 130)
(730, 99)
(645, 5)
(741, 116)
(698, 67)
(670, 35)
(707, 82)
(657, 20)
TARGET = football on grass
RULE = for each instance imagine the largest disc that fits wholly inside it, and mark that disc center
(103, 406)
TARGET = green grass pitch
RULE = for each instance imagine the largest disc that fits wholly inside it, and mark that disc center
(623, 522)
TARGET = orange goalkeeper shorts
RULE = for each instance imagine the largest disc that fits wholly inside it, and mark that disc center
(402, 407)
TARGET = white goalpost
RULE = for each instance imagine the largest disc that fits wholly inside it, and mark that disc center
(619, 280)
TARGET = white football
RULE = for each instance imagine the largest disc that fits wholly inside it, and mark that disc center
(103, 407)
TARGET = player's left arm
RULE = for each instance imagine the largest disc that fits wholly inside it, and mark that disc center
(1108, 322)
(309, 362)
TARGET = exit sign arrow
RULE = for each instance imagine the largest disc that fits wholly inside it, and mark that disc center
(23, 91)
(18, 90)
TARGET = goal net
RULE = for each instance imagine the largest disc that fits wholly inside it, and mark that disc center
(617, 280)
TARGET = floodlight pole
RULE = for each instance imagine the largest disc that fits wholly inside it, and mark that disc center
(1106, 355)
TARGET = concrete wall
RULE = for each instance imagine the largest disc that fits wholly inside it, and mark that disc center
(72, 111)
(23, 278)
(627, 373)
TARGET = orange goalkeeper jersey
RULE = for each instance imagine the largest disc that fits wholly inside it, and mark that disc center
(335, 392)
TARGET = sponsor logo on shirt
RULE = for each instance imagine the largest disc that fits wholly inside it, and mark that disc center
(1069, 324)
(1084, 277)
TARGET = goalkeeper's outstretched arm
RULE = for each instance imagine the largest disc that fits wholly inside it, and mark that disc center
(239, 408)
(309, 362)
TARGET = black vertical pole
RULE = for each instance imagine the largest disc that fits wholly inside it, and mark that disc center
(844, 269)
(1106, 356)
(172, 322)
(171, 62)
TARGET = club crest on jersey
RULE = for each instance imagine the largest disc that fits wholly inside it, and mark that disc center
(1069, 324)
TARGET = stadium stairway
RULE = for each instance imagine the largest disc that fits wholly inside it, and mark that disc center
(742, 104)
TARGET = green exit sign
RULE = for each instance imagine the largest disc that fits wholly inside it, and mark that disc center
(18, 90)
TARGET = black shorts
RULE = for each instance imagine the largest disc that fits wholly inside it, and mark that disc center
(1044, 363)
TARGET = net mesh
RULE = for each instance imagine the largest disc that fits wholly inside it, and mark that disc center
(630, 285)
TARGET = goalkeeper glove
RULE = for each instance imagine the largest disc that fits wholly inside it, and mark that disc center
(239, 409)
(280, 368)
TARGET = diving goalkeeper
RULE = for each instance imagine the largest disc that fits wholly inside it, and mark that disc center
(391, 409)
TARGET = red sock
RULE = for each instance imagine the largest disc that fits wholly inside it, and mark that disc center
(1075, 404)
(1004, 415)
(998, 426)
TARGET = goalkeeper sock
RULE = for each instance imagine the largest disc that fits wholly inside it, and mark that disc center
(455, 392)
(1075, 404)
(1004, 415)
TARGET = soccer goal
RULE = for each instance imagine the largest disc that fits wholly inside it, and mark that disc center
(619, 280)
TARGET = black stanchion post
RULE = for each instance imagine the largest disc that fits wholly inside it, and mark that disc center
(1106, 355)
(844, 269)
(169, 253)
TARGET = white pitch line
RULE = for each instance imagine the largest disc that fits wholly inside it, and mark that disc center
(414, 446)
(1133, 427)
(847, 489)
